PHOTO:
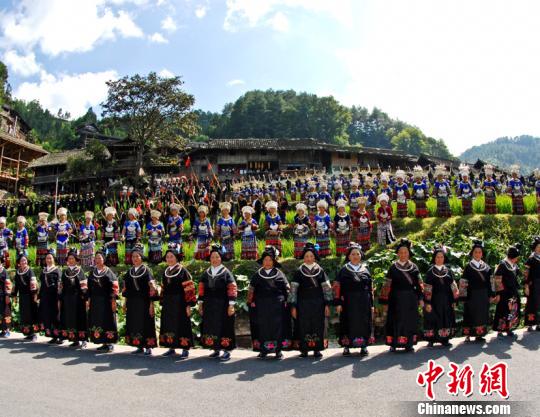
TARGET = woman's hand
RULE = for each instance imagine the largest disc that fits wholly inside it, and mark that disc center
(188, 311)
(293, 312)
(339, 309)
(200, 308)
(326, 311)
(230, 311)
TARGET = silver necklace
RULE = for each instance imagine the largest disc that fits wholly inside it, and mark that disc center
(407, 267)
(170, 268)
(132, 272)
(260, 272)
(483, 266)
(20, 274)
(77, 270)
(96, 273)
(315, 268)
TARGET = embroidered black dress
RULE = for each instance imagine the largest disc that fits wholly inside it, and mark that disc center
(73, 296)
(270, 318)
(353, 291)
(140, 291)
(440, 293)
(49, 313)
(5, 302)
(402, 291)
(532, 309)
(26, 289)
(507, 313)
(310, 294)
(216, 292)
(475, 290)
(177, 293)
(103, 293)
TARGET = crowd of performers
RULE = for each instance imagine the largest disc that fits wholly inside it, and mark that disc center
(286, 312)
(75, 296)
(363, 214)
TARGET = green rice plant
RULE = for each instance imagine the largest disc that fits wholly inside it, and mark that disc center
(504, 204)
(530, 204)
(479, 205)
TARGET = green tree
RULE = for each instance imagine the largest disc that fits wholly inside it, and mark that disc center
(91, 164)
(5, 89)
(410, 140)
(437, 147)
(155, 109)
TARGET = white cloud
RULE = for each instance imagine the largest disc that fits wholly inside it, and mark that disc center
(233, 83)
(73, 93)
(24, 65)
(58, 26)
(270, 12)
(165, 73)
(279, 22)
(157, 38)
(200, 11)
(168, 24)
(463, 71)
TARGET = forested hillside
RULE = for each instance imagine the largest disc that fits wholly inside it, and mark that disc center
(505, 151)
(256, 114)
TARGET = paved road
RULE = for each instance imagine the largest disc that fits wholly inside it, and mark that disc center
(37, 379)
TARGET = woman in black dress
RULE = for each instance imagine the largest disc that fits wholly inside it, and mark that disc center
(476, 292)
(140, 292)
(532, 286)
(310, 299)
(401, 295)
(217, 298)
(178, 296)
(507, 313)
(49, 312)
(73, 295)
(440, 296)
(5, 301)
(102, 295)
(270, 319)
(26, 289)
(353, 297)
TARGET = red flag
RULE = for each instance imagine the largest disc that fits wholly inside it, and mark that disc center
(188, 162)
(209, 166)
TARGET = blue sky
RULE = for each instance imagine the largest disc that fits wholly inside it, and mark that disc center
(462, 71)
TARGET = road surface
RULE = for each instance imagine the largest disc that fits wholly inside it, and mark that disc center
(38, 379)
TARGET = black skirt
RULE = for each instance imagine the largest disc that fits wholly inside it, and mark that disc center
(217, 327)
(175, 329)
(28, 312)
(403, 318)
(476, 312)
(532, 308)
(310, 326)
(440, 322)
(355, 320)
(102, 325)
(140, 325)
(270, 323)
(48, 311)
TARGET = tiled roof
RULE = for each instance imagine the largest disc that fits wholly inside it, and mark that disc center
(59, 158)
(290, 144)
